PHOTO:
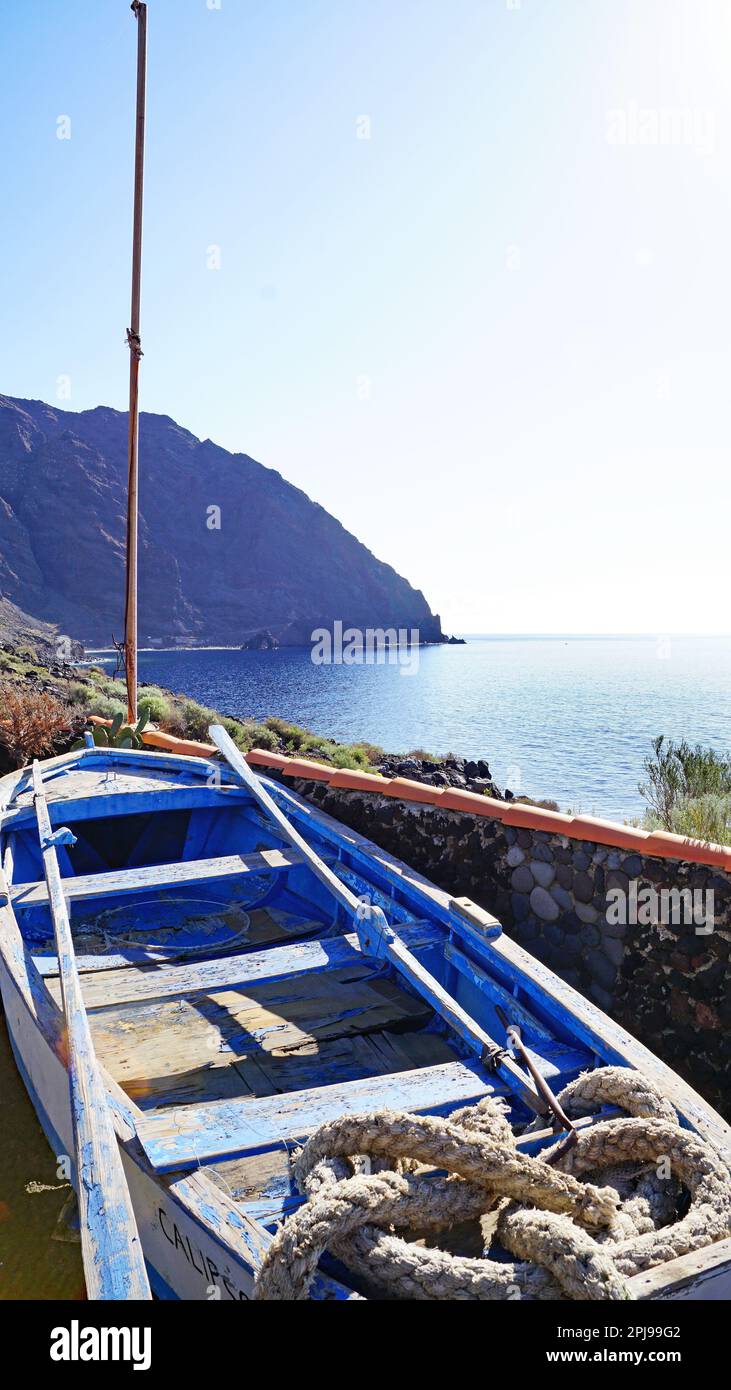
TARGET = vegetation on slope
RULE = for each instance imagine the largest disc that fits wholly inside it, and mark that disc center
(43, 710)
(32, 723)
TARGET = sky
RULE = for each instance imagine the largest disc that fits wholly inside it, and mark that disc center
(457, 268)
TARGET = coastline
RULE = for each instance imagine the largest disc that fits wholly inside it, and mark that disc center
(568, 718)
(528, 708)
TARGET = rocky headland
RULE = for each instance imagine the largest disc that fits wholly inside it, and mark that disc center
(230, 553)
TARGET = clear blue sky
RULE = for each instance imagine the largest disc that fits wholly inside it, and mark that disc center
(493, 339)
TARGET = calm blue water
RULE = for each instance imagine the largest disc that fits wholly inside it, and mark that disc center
(567, 718)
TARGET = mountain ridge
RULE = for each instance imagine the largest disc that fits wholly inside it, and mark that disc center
(227, 546)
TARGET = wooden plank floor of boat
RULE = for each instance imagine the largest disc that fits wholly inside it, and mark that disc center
(249, 1038)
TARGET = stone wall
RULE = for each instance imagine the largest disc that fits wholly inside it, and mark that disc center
(667, 984)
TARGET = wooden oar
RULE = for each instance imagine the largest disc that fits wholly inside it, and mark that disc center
(114, 1265)
(379, 939)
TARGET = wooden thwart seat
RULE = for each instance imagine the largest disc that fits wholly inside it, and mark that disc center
(184, 1136)
(142, 983)
(114, 883)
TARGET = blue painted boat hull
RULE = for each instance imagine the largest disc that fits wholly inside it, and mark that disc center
(233, 1009)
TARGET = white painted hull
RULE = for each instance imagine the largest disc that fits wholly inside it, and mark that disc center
(184, 1260)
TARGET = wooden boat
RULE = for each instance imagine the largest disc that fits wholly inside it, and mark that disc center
(235, 1002)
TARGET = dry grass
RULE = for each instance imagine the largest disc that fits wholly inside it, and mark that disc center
(31, 721)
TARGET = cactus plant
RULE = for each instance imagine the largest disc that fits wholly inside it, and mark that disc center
(117, 734)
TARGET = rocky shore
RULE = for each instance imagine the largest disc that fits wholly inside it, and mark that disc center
(466, 773)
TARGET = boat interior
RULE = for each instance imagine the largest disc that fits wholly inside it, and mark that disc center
(226, 992)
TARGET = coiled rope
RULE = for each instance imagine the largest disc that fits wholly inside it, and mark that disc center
(366, 1179)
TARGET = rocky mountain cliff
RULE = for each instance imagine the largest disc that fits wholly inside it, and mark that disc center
(268, 559)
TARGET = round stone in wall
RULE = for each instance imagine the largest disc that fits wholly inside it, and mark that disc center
(522, 879)
(543, 904)
(514, 856)
(583, 887)
(543, 874)
(586, 912)
(602, 969)
(613, 949)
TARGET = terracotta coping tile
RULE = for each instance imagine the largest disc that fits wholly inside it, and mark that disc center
(668, 846)
(407, 790)
(454, 799)
(303, 767)
(608, 832)
(349, 779)
(168, 743)
(261, 757)
(517, 814)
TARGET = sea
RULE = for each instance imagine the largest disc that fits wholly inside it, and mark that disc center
(569, 718)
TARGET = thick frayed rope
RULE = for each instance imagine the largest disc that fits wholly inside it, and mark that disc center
(570, 1238)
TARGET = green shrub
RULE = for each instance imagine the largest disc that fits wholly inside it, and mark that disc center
(196, 719)
(264, 738)
(295, 739)
(374, 753)
(318, 749)
(105, 707)
(352, 757)
(101, 678)
(279, 726)
(81, 693)
(706, 818)
(678, 775)
(238, 731)
(187, 719)
(249, 733)
(173, 722)
(157, 701)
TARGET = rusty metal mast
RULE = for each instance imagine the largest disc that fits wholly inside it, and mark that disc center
(135, 349)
